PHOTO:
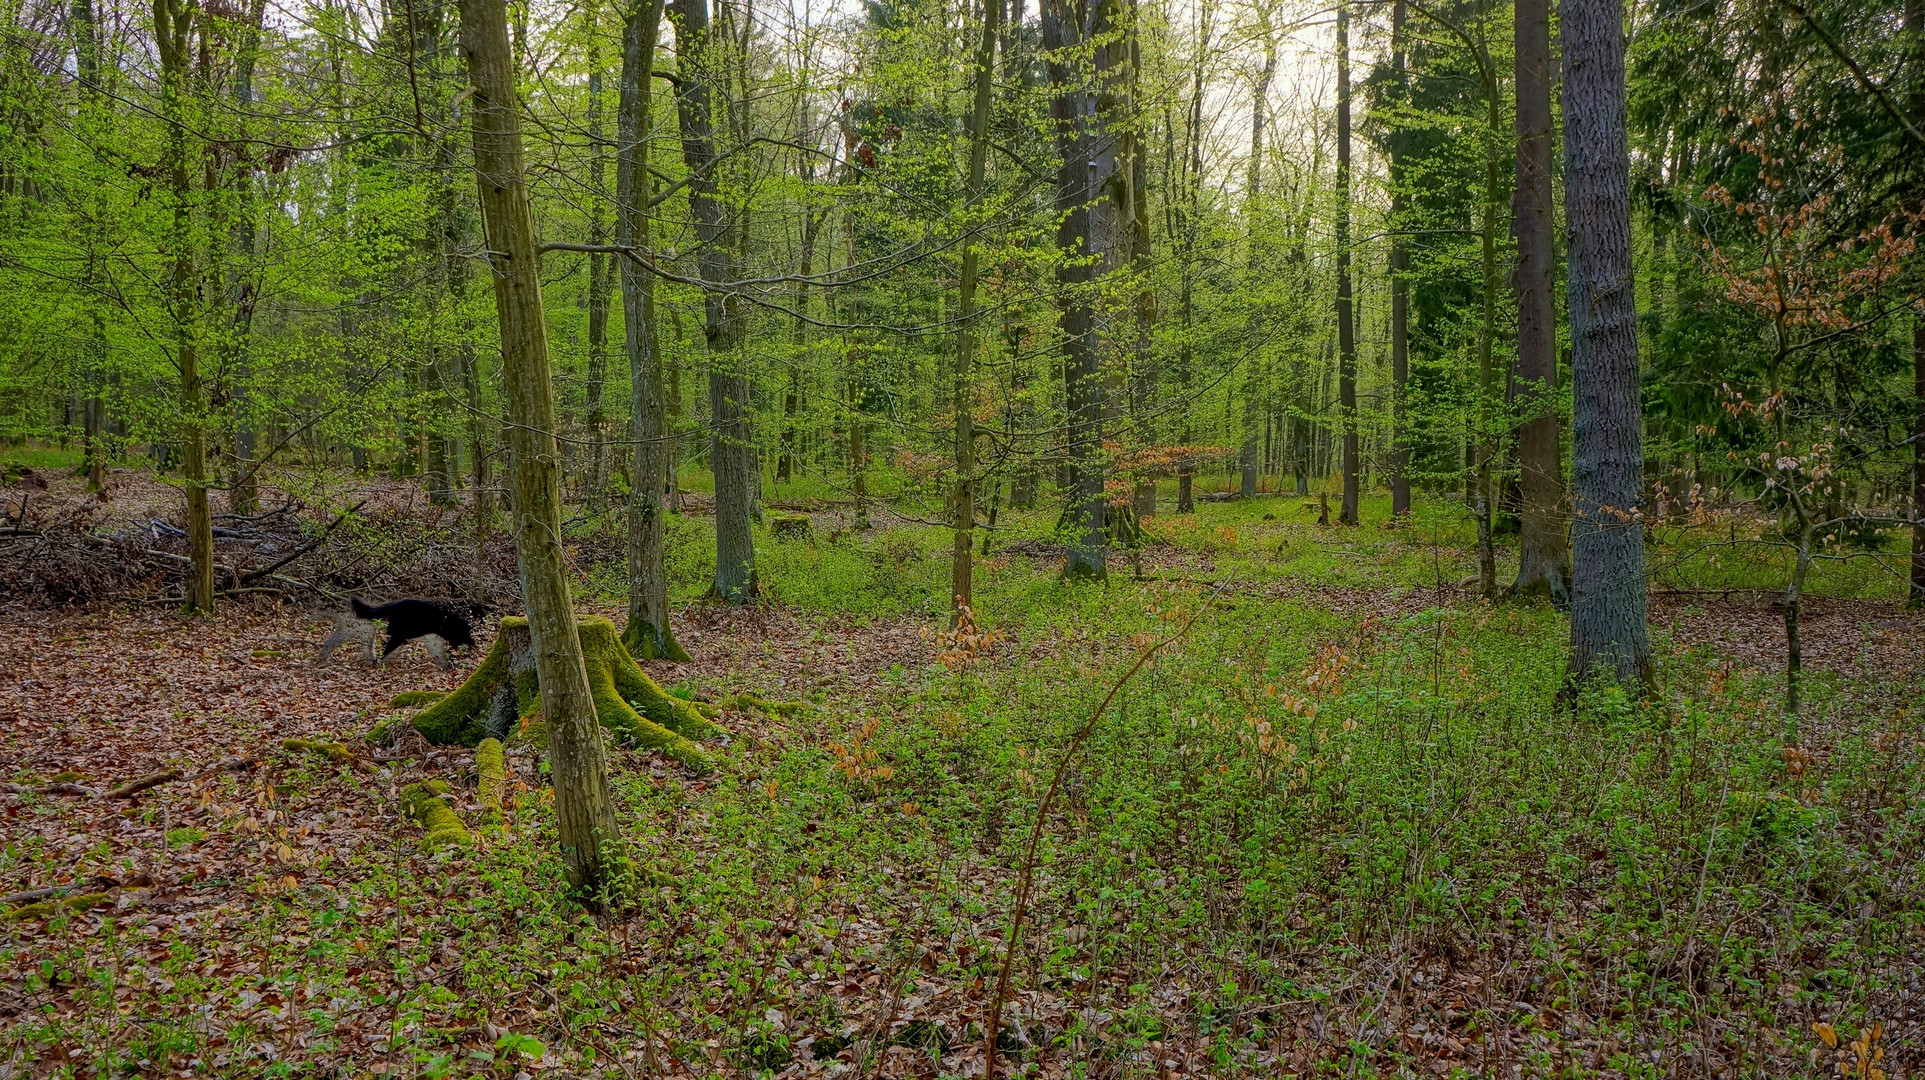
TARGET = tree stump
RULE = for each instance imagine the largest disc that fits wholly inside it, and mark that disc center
(790, 526)
(502, 694)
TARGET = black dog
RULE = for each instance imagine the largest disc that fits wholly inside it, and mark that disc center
(407, 620)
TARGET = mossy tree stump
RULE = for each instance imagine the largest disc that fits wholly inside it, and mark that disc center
(502, 692)
(790, 526)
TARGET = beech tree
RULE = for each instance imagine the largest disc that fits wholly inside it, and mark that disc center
(1608, 632)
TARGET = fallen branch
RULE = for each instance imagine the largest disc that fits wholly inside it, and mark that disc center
(135, 787)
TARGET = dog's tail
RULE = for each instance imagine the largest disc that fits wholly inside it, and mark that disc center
(363, 611)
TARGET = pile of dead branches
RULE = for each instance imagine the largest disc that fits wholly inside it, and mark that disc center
(58, 555)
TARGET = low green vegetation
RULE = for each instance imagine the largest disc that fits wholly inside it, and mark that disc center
(1328, 817)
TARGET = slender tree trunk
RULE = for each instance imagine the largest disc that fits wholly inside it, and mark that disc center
(584, 809)
(1253, 383)
(731, 451)
(1544, 563)
(95, 115)
(173, 37)
(1346, 326)
(1608, 632)
(963, 392)
(647, 632)
(1915, 26)
(601, 279)
(1399, 278)
(1484, 504)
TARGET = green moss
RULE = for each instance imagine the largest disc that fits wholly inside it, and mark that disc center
(334, 751)
(627, 702)
(48, 908)
(491, 773)
(457, 718)
(409, 698)
(748, 700)
(424, 804)
(644, 642)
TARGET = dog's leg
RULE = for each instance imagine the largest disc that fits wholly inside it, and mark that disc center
(342, 632)
(395, 641)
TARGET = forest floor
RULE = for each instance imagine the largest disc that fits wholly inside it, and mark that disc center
(1344, 827)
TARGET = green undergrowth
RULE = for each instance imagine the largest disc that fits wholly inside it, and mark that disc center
(1341, 792)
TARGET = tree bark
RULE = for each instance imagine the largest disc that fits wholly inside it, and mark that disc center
(601, 282)
(1346, 328)
(731, 452)
(647, 633)
(1086, 167)
(584, 809)
(1915, 26)
(1544, 562)
(1399, 283)
(1608, 631)
(174, 22)
(1248, 462)
(963, 500)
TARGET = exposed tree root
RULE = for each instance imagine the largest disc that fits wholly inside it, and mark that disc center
(425, 805)
(502, 694)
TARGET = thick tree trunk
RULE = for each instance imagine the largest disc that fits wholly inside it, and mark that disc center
(1346, 327)
(1608, 632)
(647, 632)
(584, 808)
(1544, 563)
(963, 392)
(731, 451)
(1086, 167)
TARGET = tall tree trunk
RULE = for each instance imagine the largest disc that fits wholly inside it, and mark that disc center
(173, 37)
(1087, 164)
(601, 280)
(95, 115)
(584, 809)
(1399, 278)
(1608, 632)
(243, 492)
(647, 632)
(1544, 564)
(1484, 499)
(1915, 26)
(963, 393)
(1346, 325)
(731, 452)
(1253, 383)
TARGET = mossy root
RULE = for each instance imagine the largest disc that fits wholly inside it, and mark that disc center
(424, 803)
(333, 751)
(491, 772)
(627, 702)
(46, 909)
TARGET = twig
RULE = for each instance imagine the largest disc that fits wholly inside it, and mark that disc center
(253, 576)
(1028, 874)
